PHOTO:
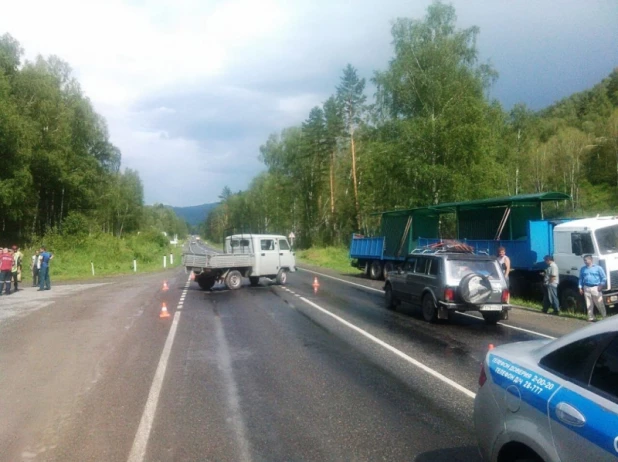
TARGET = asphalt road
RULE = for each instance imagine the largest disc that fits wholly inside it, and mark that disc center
(267, 373)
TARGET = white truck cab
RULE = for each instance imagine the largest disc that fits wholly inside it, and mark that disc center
(594, 236)
(272, 252)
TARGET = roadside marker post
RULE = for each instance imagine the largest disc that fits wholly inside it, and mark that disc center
(164, 261)
(135, 266)
(171, 258)
(92, 267)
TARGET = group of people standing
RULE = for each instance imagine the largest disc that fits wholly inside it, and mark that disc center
(10, 268)
(11, 264)
(592, 279)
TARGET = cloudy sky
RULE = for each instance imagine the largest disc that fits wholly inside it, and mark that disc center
(191, 88)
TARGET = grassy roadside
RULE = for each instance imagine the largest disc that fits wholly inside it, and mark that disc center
(110, 256)
(537, 306)
(337, 258)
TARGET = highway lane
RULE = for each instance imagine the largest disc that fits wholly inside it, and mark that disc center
(264, 373)
(258, 376)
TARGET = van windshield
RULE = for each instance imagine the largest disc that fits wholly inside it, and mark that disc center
(457, 269)
(607, 239)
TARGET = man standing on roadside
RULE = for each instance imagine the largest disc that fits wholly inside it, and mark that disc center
(550, 286)
(46, 257)
(6, 265)
(20, 261)
(591, 281)
(34, 267)
(14, 268)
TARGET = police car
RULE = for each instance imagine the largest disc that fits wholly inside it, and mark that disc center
(551, 400)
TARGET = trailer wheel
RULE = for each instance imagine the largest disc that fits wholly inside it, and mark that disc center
(233, 280)
(376, 270)
(254, 280)
(367, 268)
(388, 267)
(282, 277)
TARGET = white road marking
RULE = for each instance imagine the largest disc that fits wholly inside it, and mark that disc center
(465, 314)
(138, 450)
(392, 349)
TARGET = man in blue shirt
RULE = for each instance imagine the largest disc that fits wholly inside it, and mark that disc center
(592, 279)
(45, 258)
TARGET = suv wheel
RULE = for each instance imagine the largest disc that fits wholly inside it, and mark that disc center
(430, 312)
(388, 267)
(492, 317)
(390, 301)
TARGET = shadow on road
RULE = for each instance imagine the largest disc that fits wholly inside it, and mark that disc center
(461, 454)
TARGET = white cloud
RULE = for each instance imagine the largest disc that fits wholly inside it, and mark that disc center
(191, 88)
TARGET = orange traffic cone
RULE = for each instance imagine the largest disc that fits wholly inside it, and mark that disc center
(165, 287)
(491, 347)
(164, 313)
(315, 285)
(192, 277)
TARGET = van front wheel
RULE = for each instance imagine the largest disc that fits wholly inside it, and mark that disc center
(282, 277)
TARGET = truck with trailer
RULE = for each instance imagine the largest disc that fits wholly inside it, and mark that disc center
(515, 223)
(244, 255)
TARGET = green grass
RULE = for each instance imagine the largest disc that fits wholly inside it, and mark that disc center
(537, 306)
(336, 258)
(109, 255)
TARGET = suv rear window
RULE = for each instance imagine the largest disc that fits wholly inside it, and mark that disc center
(457, 269)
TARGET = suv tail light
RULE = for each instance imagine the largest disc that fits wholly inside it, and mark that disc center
(449, 295)
(483, 376)
(506, 297)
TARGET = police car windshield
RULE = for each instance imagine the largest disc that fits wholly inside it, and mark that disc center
(459, 268)
(607, 238)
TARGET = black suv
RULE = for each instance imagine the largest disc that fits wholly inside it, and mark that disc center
(443, 282)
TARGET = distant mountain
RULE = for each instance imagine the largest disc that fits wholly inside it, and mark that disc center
(195, 214)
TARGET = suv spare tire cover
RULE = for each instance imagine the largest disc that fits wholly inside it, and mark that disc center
(475, 288)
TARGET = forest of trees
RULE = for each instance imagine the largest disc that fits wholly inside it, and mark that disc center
(431, 135)
(59, 172)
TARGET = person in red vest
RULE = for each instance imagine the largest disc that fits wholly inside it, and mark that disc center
(6, 266)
